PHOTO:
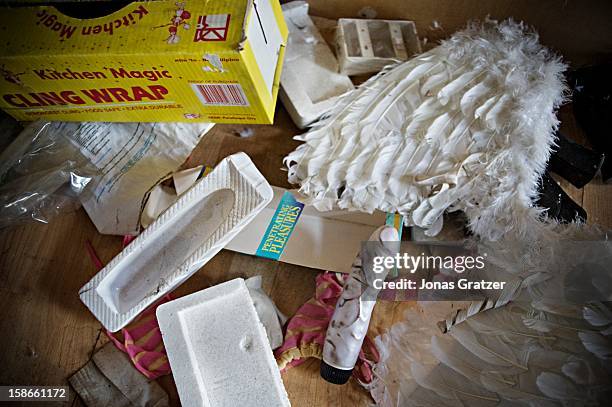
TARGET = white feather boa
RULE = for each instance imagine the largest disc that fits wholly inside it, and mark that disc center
(466, 126)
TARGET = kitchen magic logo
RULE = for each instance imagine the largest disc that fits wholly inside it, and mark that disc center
(133, 94)
(65, 29)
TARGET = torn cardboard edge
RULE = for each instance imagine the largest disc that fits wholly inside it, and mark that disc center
(215, 341)
(161, 196)
(310, 81)
(210, 214)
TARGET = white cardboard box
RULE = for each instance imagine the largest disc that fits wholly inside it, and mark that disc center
(321, 240)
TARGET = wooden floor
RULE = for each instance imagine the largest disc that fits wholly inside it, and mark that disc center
(46, 334)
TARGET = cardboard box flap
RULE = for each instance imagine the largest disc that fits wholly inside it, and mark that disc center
(266, 39)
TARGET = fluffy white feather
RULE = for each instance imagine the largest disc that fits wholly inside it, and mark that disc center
(476, 113)
(539, 343)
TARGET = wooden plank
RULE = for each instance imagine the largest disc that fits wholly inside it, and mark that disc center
(47, 333)
(597, 202)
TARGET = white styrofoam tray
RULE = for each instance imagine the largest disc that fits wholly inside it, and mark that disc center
(310, 82)
(219, 351)
(184, 238)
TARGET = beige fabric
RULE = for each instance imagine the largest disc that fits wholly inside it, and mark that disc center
(110, 380)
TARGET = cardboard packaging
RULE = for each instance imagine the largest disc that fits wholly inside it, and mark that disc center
(310, 83)
(217, 61)
(367, 46)
(321, 240)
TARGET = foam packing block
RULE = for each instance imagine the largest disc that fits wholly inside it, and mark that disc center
(182, 239)
(218, 349)
(310, 82)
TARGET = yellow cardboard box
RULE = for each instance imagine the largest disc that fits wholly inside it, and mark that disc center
(210, 60)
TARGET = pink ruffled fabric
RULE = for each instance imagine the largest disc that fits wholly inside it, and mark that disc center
(142, 341)
(305, 331)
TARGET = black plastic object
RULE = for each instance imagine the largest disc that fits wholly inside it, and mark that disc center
(335, 375)
(91, 9)
(592, 101)
(575, 163)
(560, 206)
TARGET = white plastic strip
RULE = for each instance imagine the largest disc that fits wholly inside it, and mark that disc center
(365, 43)
(184, 238)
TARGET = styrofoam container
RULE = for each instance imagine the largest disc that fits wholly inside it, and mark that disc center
(366, 46)
(218, 349)
(184, 238)
(310, 82)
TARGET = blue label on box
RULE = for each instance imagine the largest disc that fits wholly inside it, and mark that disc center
(280, 228)
(397, 221)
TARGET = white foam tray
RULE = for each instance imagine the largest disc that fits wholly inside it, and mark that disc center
(219, 351)
(184, 238)
(310, 82)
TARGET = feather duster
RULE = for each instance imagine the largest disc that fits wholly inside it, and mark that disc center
(466, 126)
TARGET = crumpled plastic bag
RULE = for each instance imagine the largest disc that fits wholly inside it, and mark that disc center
(270, 316)
(42, 174)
